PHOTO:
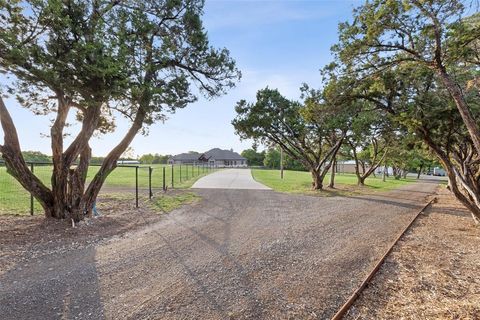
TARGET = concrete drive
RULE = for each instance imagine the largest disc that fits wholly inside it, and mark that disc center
(230, 179)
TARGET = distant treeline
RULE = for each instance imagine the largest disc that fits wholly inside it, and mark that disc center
(271, 159)
(37, 156)
(156, 158)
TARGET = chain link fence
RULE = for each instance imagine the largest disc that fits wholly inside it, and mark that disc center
(137, 180)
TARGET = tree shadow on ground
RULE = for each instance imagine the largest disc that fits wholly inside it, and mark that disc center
(387, 202)
(61, 285)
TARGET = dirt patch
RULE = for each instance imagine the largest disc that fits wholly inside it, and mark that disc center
(432, 273)
(25, 237)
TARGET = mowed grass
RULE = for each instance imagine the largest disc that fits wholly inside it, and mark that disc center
(170, 202)
(301, 182)
(16, 200)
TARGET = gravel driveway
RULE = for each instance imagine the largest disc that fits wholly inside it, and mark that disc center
(230, 179)
(237, 254)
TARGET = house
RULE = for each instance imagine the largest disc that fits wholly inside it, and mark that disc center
(224, 158)
(214, 157)
(186, 158)
(345, 166)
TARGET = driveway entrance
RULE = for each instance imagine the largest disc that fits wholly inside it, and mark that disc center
(230, 179)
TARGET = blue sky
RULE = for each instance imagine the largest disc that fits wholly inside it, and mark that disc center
(279, 44)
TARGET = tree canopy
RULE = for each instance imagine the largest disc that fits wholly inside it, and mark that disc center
(100, 59)
(311, 138)
(418, 61)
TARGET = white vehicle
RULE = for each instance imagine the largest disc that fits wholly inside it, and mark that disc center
(439, 172)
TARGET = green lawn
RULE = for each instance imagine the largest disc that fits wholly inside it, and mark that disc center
(301, 182)
(170, 202)
(15, 200)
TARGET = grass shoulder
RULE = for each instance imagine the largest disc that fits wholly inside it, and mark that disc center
(345, 183)
(161, 202)
(168, 202)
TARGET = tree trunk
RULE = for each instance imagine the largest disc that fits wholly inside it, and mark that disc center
(60, 168)
(15, 163)
(76, 186)
(384, 174)
(470, 201)
(332, 173)
(110, 162)
(317, 183)
(419, 171)
(361, 180)
(462, 107)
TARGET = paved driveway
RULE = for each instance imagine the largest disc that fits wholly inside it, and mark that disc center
(230, 179)
(237, 254)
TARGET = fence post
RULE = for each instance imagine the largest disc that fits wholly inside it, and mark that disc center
(164, 184)
(31, 195)
(180, 173)
(136, 187)
(172, 175)
(150, 182)
(186, 168)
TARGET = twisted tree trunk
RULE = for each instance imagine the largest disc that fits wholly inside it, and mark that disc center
(16, 165)
(361, 177)
(462, 106)
(332, 173)
(466, 191)
(110, 162)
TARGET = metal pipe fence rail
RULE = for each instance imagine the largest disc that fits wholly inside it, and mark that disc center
(140, 180)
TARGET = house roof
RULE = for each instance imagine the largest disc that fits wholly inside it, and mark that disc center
(192, 156)
(219, 154)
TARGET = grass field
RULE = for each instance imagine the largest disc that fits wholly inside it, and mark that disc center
(15, 200)
(301, 182)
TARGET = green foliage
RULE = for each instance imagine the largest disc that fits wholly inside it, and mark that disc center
(253, 157)
(102, 59)
(36, 156)
(272, 159)
(303, 134)
(123, 55)
(389, 32)
(156, 158)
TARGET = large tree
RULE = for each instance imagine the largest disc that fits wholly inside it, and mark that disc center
(418, 60)
(426, 107)
(304, 135)
(98, 58)
(368, 142)
(435, 34)
(417, 99)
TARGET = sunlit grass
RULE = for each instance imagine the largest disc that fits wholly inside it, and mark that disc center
(301, 182)
(167, 202)
(16, 200)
